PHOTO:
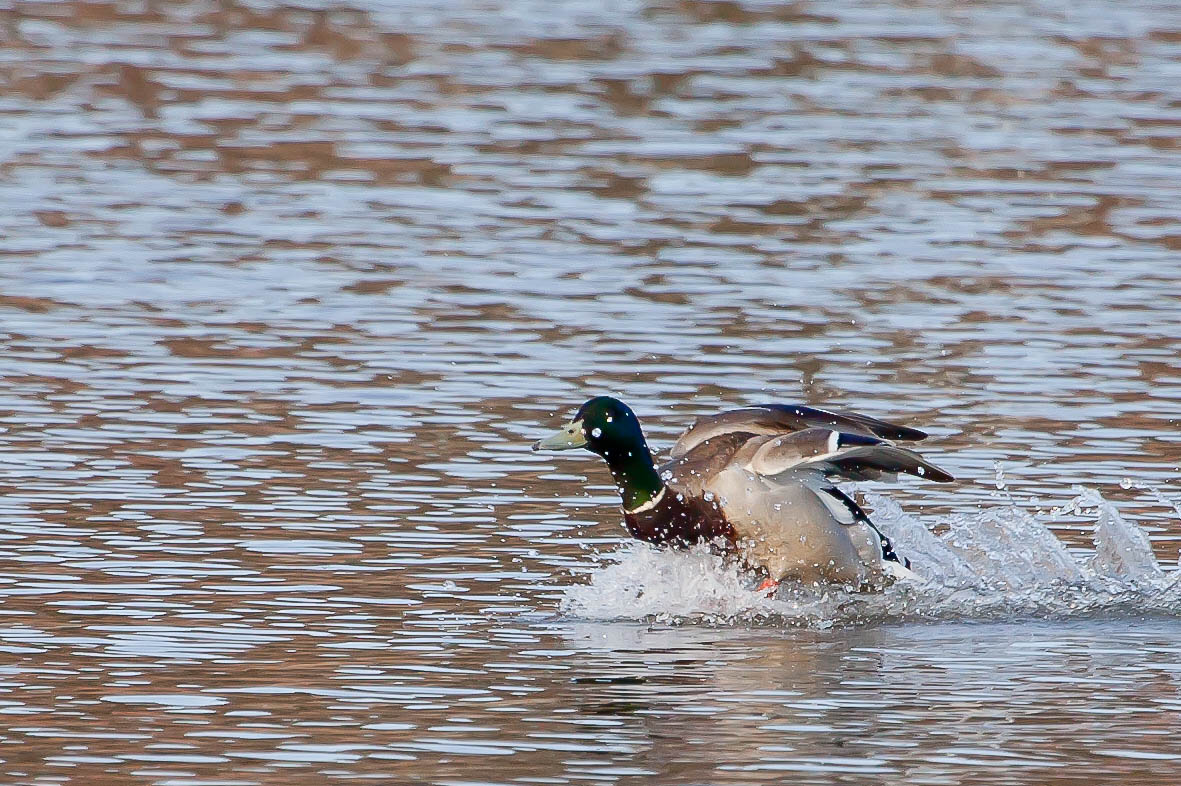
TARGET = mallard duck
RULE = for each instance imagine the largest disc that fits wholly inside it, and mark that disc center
(758, 481)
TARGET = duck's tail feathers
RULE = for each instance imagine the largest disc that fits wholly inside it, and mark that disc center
(860, 516)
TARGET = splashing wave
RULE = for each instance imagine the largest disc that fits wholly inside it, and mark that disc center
(997, 564)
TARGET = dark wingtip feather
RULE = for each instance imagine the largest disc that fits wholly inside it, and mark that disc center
(900, 433)
(937, 475)
(920, 467)
(845, 440)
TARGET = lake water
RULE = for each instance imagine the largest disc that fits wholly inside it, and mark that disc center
(286, 294)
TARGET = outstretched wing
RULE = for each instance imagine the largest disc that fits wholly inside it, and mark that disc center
(778, 419)
(840, 455)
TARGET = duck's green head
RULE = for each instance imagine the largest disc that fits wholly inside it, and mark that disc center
(603, 425)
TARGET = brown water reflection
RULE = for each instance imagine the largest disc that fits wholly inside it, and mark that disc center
(288, 289)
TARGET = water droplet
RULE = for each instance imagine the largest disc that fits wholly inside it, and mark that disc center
(596, 432)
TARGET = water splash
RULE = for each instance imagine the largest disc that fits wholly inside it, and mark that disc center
(999, 563)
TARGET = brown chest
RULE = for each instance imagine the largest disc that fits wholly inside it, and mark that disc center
(678, 522)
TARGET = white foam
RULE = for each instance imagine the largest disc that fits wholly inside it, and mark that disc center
(1000, 563)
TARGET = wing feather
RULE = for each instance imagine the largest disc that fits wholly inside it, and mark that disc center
(841, 455)
(777, 419)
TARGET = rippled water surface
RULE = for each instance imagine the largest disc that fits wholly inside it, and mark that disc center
(287, 292)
